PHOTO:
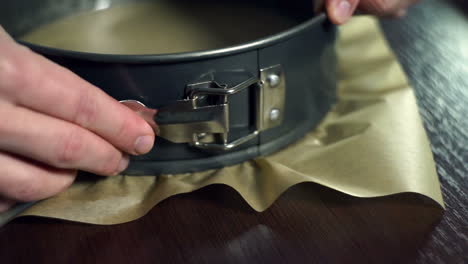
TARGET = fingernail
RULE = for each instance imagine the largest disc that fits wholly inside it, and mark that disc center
(342, 11)
(144, 144)
(123, 164)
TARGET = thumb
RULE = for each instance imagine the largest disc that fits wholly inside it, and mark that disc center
(340, 11)
(4, 34)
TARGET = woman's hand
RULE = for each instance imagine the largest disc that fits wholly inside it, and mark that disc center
(341, 11)
(53, 123)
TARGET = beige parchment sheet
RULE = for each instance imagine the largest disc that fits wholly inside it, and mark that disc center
(371, 144)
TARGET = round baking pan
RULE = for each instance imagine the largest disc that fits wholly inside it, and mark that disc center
(299, 60)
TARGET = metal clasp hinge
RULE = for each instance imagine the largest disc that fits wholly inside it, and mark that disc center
(198, 90)
(202, 120)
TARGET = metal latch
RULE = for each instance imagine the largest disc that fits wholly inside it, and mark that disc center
(202, 120)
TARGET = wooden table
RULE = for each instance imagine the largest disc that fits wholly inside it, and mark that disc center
(310, 223)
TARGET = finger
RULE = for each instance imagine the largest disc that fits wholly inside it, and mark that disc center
(4, 34)
(340, 11)
(6, 204)
(385, 7)
(32, 81)
(401, 13)
(56, 142)
(26, 181)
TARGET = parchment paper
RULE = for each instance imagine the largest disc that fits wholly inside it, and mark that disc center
(371, 144)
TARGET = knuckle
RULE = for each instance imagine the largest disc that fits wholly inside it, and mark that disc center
(70, 148)
(10, 74)
(85, 110)
(17, 70)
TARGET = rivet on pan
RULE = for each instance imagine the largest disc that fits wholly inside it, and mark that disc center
(273, 80)
(201, 136)
(275, 114)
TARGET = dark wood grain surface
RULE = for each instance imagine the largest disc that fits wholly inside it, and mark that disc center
(432, 45)
(310, 223)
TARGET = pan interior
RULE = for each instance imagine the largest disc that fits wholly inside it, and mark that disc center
(164, 26)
